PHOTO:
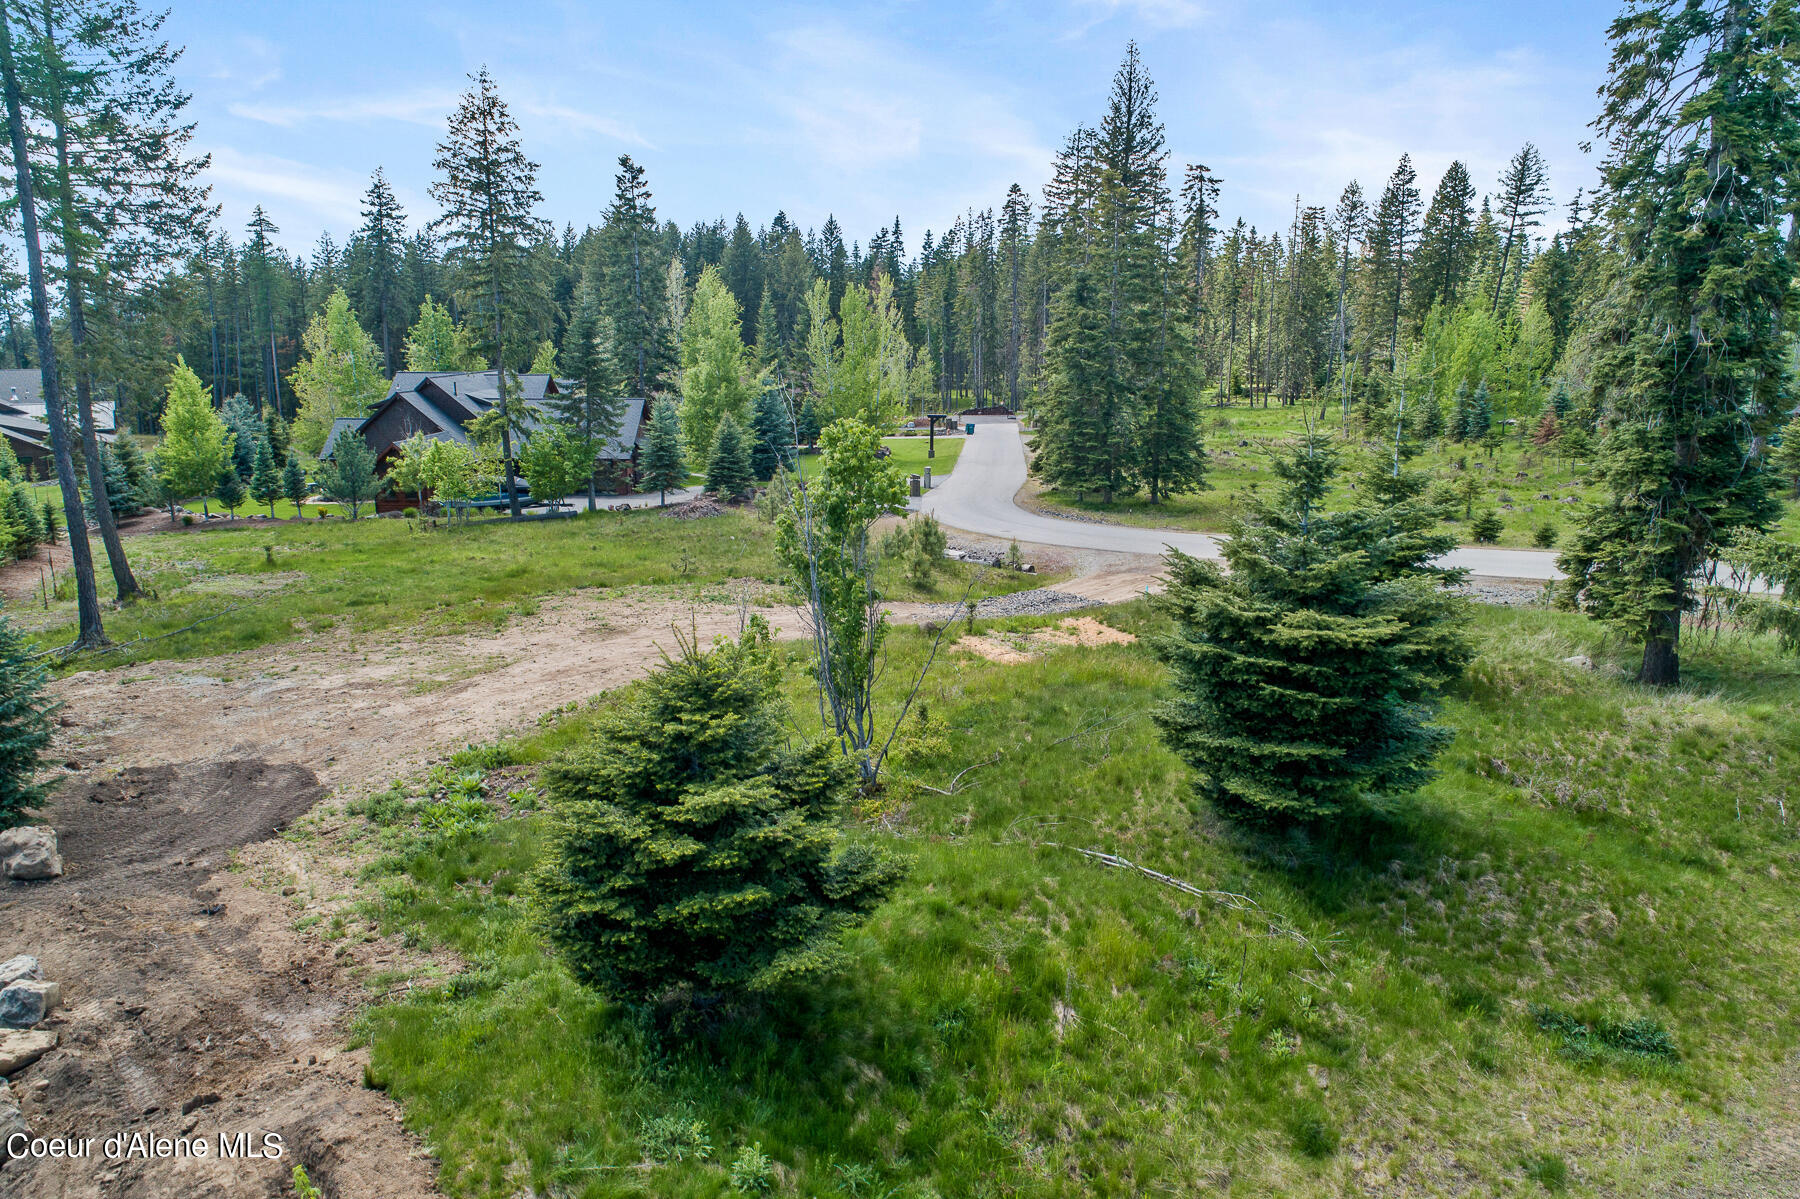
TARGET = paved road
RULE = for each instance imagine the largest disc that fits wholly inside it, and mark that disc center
(977, 497)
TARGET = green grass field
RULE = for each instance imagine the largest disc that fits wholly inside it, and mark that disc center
(908, 454)
(1553, 970)
(297, 578)
(1527, 485)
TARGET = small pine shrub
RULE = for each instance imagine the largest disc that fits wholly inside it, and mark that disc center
(1545, 537)
(695, 854)
(1487, 527)
(24, 726)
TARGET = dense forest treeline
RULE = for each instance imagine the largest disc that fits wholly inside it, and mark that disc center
(1339, 298)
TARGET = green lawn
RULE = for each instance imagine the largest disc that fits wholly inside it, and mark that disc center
(1528, 486)
(908, 454)
(1476, 997)
(294, 578)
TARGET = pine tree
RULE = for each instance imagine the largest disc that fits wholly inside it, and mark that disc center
(276, 430)
(593, 410)
(1478, 418)
(1391, 234)
(1446, 244)
(772, 436)
(487, 188)
(25, 709)
(634, 296)
(348, 476)
(729, 474)
(382, 242)
(239, 415)
(1784, 459)
(1704, 128)
(695, 854)
(265, 478)
(806, 423)
(1305, 678)
(294, 487)
(664, 460)
(1524, 197)
(122, 194)
(230, 490)
(1460, 412)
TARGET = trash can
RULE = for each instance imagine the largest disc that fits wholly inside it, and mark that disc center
(969, 428)
(912, 486)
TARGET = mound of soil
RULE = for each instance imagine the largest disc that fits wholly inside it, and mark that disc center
(191, 1007)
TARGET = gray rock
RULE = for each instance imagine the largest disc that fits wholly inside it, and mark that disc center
(11, 1120)
(1580, 661)
(14, 969)
(29, 853)
(28, 1002)
(20, 1047)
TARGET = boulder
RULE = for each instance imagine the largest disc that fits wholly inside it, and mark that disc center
(29, 853)
(19, 1047)
(28, 1002)
(14, 969)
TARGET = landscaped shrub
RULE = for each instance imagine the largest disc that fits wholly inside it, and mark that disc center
(695, 854)
(24, 726)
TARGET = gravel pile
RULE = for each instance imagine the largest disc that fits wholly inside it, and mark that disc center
(1508, 595)
(1040, 601)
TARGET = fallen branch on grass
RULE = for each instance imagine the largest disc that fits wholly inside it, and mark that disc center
(959, 776)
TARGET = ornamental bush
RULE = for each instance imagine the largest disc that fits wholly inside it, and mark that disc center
(694, 854)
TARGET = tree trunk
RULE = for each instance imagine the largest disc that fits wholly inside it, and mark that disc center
(91, 632)
(123, 580)
(1661, 666)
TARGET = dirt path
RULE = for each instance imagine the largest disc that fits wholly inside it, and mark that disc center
(193, 1006)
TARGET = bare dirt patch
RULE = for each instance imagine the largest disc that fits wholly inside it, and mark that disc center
(191, 1005)
(192, 985)
(1013, 648)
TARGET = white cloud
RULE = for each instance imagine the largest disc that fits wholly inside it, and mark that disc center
(426, 107)
(857, 105)
(252, 62)
(300, 195)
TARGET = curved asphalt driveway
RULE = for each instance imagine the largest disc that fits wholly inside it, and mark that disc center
(977, 497)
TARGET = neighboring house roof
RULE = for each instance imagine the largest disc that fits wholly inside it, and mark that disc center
(28, 383)
(447, 401)
(32, 434)
(22, 394)
(338, 426)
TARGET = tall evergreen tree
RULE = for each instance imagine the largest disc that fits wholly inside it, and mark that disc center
(1524, 197)
(635, 295)
(1446, 244)
(593, 410)
(122, 198)
(1392, 233)
(488, 190)
(90, 633)
(1703, 125)
(382, 241)
(664, 460)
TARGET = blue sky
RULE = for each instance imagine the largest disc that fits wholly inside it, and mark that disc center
(922, 108)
